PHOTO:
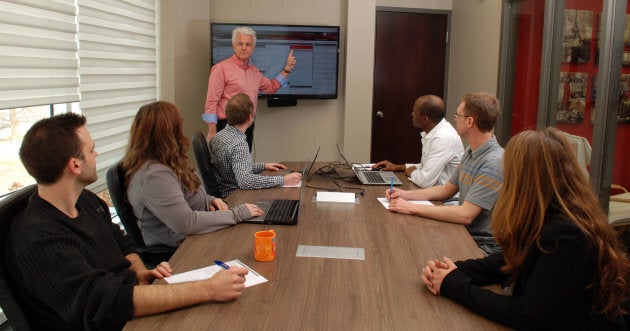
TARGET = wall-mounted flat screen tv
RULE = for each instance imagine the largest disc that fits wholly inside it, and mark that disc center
(316, 49)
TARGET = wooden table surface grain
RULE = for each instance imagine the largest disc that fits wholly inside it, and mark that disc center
(382, 292)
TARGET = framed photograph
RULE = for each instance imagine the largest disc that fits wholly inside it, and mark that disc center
(572, 97)
(623, 113)
(577, 36)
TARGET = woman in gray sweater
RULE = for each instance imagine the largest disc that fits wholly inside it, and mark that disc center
(164, 190)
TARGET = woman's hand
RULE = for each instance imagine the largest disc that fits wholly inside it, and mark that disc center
(218, 204)
(434, 272)
(254, 210)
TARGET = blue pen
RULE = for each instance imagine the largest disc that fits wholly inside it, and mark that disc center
(391, 189)
(222, 265)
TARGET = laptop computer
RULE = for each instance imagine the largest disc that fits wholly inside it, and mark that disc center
(306, 175)
(283, 211)
(367, 176)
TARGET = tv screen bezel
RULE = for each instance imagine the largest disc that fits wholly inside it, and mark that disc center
(285, 96)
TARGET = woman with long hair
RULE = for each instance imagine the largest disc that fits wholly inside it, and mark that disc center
(566, 268)
(164, 190)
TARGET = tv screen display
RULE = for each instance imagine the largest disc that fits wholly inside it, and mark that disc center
(315, 48)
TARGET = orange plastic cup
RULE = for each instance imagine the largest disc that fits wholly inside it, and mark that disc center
(265, 245)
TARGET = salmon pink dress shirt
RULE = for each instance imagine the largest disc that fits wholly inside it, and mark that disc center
(230, 77)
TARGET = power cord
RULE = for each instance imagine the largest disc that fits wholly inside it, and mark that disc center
(330, 170)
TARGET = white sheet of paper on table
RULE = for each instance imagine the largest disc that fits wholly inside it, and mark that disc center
(385, 202)
(252, 278)
(299, 184)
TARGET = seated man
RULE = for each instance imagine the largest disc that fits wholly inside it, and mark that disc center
(71, 267)
(442, 148)
(478, 178)
(230, 157)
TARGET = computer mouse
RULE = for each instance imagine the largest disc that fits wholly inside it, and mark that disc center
(379, 168)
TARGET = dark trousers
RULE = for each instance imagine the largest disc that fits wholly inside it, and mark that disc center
(249, 133)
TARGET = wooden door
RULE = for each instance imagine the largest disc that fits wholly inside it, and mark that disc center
(410, 59)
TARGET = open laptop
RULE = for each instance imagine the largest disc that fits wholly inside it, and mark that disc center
(367, 176)
(282, 211)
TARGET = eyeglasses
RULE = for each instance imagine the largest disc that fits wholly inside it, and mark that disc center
(241, 44)
(456, 116)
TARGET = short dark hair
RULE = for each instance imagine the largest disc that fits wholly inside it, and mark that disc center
(432, 106)
(238, 109)
(484, 108)
(49, 144)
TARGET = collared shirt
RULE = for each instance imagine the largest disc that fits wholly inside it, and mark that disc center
(479, 178)
(233, 165)
(230, 77)
(442, 150)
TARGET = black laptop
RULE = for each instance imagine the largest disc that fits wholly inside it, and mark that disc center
(283, 211)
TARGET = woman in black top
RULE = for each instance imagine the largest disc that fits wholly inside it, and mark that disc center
(565, 265)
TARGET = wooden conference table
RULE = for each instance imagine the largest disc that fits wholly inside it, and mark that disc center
(382, 292)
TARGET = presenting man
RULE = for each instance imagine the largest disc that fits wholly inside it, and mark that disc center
(442, 148)
(237, 74)
(72, 268)
(478, 179)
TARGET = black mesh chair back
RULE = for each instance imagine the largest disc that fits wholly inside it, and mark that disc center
(151, 255)
(117, 192)
(202, 155)
(9, 208)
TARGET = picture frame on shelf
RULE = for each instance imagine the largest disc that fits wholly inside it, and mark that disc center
(572, 97)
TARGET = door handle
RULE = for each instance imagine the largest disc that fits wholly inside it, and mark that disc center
(380, 114)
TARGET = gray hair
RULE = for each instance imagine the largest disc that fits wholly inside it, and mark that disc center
(246, 31)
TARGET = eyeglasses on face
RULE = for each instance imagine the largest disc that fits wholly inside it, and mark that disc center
(456, 116)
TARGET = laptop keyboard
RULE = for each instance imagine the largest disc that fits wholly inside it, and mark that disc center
(373, 177)
(281, 211)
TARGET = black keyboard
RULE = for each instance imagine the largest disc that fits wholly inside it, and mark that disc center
(282, 212)
(373, 177)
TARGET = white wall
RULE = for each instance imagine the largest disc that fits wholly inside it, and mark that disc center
(474, 53)
(292, 133)
(184, 58)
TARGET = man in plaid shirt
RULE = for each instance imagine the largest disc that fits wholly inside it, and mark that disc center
(232, 162)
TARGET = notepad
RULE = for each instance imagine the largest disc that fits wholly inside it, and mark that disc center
(251, 279)
(345, 197)
(299, 184)
(385, 202)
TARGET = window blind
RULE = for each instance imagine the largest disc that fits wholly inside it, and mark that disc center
(117, 48)
(38, 53)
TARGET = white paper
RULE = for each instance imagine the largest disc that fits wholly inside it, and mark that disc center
(252, 278)
(346, 197)
(299, 184)
(385, 202)
(331, 252)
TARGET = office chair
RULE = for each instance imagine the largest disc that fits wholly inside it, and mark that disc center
(618, 208)
(202, 155)
(151, 255)
(9, 208)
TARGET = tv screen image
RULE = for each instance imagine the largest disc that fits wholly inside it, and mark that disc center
(316, 49)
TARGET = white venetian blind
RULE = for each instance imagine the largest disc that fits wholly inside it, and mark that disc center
(38, 53)
(117, 48)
